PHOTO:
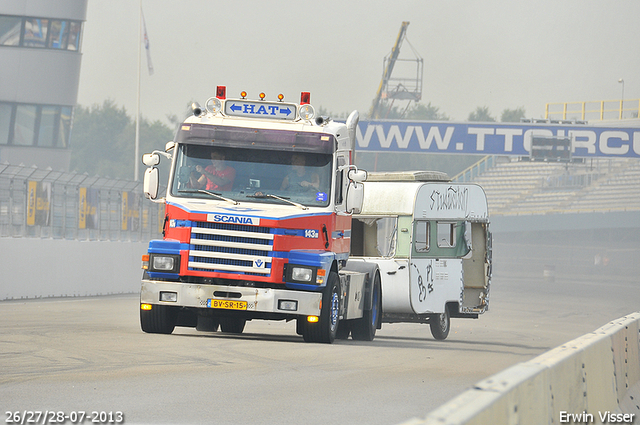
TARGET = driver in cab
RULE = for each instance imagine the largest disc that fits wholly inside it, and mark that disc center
(299, 179)
(218, 175)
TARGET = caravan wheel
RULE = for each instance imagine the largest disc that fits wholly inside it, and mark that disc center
(440, 325)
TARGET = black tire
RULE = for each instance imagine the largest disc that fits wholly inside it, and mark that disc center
(232, 325)
(161, 319)
(301, 325)
(207, 324)
(344, 329)
(440, 325)
(326, 328)
(364, 329)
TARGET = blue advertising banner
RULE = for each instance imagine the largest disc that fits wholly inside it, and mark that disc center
(493, 138)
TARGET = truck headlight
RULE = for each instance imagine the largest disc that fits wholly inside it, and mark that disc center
(164, 263)
(296, 273)
(301, 274)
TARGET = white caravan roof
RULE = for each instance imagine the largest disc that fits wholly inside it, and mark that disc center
(441, 200)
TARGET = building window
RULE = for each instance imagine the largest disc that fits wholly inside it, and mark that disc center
(40, 33)
(74, 36)
(10, 29)
(58, 34)
(5, 122)
(64, 127)
(35, 32)
(46, 126)
(24, 125)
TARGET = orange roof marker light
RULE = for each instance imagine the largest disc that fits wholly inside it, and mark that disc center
(243, 94)
(262, 96)
(280, 97)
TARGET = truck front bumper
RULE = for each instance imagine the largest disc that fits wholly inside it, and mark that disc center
(258, 300)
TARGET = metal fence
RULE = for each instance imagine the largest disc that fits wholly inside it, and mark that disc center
(42, 203)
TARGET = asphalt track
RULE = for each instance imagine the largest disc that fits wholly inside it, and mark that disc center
(89, 355)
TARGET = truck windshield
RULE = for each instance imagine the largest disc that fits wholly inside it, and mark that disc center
(253, 175)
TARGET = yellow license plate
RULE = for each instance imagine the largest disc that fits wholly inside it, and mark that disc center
(227, 304)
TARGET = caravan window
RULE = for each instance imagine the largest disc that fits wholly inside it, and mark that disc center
(446, 233)
(386, 236)
(374, 237)
(422, 236)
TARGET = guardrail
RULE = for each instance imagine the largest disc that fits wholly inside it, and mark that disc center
(592, 379)
(475, 170)
(593, 110)
(43, 203)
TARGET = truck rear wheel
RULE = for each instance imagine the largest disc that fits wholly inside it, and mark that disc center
(364, 329)
(161, 319)
(232, 325)
(440, 325)
(207, 324)
(326, 328)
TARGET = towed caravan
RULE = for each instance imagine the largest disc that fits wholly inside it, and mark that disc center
(431, 242)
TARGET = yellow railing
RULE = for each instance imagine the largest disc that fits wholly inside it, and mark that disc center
(593, 110)
(475, 170)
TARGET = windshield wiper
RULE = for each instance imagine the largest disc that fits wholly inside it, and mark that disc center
(268, 195)
(216, 195)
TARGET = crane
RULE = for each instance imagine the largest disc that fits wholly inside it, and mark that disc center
(406, 88)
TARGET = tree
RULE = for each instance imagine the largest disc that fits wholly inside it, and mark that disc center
(426, 112)
(481, 114)
(512, 115)
(103, 140)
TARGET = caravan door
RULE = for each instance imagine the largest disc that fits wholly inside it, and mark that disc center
(434, 280)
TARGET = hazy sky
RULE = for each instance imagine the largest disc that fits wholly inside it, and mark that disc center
(496, 53)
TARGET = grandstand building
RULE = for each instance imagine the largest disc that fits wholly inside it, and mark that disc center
(576, 220)
(40, 53)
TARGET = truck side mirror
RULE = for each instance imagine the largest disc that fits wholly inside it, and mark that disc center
(355, 197)
(150, 183)
(357, 175)
(151, 159)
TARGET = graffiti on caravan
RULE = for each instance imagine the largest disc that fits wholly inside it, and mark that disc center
(493, 138)
(454, 198)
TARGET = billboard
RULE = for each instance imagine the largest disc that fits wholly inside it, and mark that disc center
(493, 138)
(88, 204)
(38, 203)
(551, 149)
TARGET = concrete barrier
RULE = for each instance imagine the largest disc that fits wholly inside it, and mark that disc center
(37, 268)
(592, 379)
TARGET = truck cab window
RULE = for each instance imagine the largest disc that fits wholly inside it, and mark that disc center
(252, 175)
(338, 189)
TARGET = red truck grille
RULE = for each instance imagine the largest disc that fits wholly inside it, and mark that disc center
(231, 248)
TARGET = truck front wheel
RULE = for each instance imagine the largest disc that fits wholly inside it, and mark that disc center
(233, 325)
(161, 319)
(326, 328)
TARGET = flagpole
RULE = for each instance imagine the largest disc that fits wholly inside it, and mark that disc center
(137, 145)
